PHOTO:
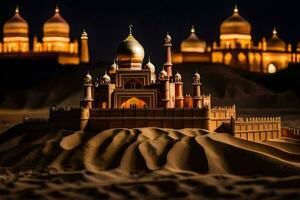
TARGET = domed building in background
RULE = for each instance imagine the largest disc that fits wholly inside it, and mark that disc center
(56, 42)
(236, 48)
(193, 44)
(15, 32)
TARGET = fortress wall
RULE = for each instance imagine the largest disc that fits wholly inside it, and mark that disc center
(65, 118)
(257, 129)
(220, 115)
(291, 133)
(134, 118)
(36, 124)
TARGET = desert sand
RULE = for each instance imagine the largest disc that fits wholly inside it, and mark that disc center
(146, 163)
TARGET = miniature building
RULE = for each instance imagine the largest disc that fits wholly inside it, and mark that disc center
(131, 95)
(56, 40)
(236, 48)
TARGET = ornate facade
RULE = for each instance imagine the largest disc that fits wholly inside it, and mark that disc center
(237, 49)
(132, 95)
(130, 84)
(56, 40)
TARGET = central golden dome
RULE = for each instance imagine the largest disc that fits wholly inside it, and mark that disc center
(235, 25)
(130, 52)
(275, 43)
(193, 43)
(16, 27)
(56, 26)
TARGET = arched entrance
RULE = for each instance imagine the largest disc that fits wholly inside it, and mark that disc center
(134, 103)
(272, 68)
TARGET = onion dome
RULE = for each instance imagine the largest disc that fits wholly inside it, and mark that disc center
(88, 79)
(16, 28)
(275, 43)
(113, 68)
(130, 52)
(150, 66)
(105, 78)
(56, 27)
(168, 40)
(196, 77)
(235, 24)
(177, 77)
(88, 76)
(193, 44)
(163, 75)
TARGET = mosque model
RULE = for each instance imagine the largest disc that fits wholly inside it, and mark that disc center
(236, 48)
(55, 41)
(131, 95)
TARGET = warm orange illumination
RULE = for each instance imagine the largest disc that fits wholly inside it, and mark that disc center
(272, 68)
(134, 103)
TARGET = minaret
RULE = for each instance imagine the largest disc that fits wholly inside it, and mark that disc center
(87, 100)
(179, 99)
(165, 88)
(168, 59)
(84, 55)
(196, 91)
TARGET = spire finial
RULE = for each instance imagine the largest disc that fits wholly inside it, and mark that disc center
(17, 9)
(57, 9)
(236, 10)
(193, 29)
(274, 31)
(130, 29)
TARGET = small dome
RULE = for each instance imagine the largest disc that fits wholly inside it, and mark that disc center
(196, 75)
(177, 77)
(275, 43)
(163, 75)
(150, 66)
(106, 78)
(16, 27)
(193, 44)
(113, 68)
(130, 51)
(88, 76)
(168, 40)
(235, 24)
(56, 26)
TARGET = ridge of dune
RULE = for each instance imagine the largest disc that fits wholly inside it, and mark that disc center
(143, 150)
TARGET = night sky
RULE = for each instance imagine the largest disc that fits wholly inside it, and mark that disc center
(107, 21)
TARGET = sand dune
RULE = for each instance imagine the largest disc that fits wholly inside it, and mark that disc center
(149, 149)
(146, 163)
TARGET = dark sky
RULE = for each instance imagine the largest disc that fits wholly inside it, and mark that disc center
(107, 21)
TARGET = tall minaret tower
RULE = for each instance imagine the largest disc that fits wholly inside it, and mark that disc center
(165, 88)
(84, 55)
(179, 91)
(196, 91)
(168, 59)
(87, 100)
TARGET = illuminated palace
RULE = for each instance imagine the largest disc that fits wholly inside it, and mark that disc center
(55, 42)
(131, 95)
(236, 48)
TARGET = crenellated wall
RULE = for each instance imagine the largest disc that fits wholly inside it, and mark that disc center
(257, 128)
(222, 114)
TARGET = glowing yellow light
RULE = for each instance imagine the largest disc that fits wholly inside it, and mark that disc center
(272, 68)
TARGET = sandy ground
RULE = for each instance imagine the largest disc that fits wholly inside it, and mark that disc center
(9, 118)
(156, 185)
(146, 163)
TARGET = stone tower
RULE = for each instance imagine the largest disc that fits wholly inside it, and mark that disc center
(168, 59)
(196, 91)
(179, 99)
(84, 56)
(87, 100)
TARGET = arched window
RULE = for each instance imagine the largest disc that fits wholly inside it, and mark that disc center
(272, 69)
(228, 58)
